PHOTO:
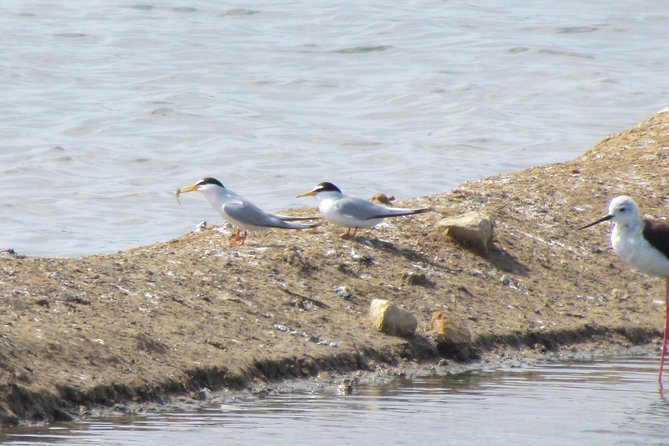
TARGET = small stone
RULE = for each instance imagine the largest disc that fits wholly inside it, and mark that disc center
(417, 279)
(619, 295)
(295, 256)
(347, 386)
(452, 337)
(343, 292)
(391, 319)
(474, 230)
(203, 394)
(382, 198)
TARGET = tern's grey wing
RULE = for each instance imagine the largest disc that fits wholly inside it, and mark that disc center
(366, 210)
(292, 218)
(247, 213)
(360, 209)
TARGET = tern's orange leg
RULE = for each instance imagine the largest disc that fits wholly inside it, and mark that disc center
(347, 235)
(235, 239)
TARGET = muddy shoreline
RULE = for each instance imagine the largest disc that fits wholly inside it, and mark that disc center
(163, 322)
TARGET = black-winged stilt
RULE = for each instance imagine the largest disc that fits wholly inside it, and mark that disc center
(643, 243)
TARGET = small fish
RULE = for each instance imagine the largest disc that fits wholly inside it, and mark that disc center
(177, 193)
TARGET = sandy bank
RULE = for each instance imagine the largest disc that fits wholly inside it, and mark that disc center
(190, 313)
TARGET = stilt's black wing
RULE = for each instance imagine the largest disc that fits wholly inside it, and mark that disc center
(657, 234)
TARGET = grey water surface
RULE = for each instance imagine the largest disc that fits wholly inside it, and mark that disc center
(608, 401)
(107, 107)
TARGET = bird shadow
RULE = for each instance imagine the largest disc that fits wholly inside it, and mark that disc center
(393, 249)
(504, 261)
(496, 256)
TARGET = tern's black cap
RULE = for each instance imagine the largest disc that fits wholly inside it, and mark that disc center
(210, 180)
(326, 187)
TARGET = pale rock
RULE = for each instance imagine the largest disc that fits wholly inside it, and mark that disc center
(391, 319)
(474, 230)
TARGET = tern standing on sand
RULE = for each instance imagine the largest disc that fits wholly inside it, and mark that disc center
(351, 212)
(239, 211)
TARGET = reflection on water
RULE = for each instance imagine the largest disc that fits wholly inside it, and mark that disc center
(602, 402)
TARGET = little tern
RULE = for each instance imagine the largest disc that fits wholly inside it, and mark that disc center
(239, 211)
(351, 212)
(643, 243)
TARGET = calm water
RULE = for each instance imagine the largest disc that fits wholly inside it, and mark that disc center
(108, 106)
(605, 402)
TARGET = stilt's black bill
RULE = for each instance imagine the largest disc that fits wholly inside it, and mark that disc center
(605, 218)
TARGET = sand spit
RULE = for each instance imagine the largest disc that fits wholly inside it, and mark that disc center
(192, 313)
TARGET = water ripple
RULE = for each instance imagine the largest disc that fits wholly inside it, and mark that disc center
(408, 100)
